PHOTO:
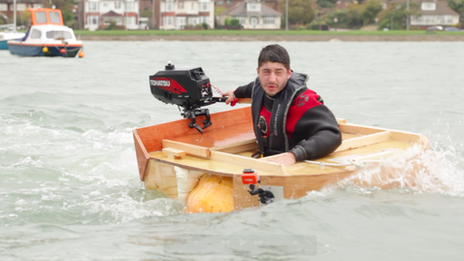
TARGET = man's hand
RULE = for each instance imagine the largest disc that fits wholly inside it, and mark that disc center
(230, 97)
(287, 159)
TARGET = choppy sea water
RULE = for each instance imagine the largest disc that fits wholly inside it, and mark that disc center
(69, 185)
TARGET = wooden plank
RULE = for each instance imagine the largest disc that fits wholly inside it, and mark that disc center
(188, 148)
(174, 153)
(359, 129)
(238, 147)
(152, 136)
(141, 153)
(250, 163)
(364, 141)
(341, 121)
(161, 176)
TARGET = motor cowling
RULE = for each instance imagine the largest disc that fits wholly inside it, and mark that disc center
(187, 87)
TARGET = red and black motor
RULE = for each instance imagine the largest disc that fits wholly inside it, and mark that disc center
(188, 88)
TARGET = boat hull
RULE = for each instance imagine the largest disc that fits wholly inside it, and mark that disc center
(52, 50)
(225, 149)
(3, 45)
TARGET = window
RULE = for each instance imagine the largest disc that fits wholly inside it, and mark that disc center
(180, 4)
(204, 19)
(20, 7)
(41, 17)
(58, 34)
(130, 6)
(93, 6)
(37, 5)
(269, 20)
(204, 7)
(36, 34)
(3, 7)
(254, 7)
(130, 20)
(192, 6)
(241, 19)
(428, 6)
(220, 2)
(169, 6)
(168, 20)
(55, 17)
(117, 5)
(107, 20)
(92, 19)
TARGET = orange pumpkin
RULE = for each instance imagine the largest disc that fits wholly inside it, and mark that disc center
(212, 194)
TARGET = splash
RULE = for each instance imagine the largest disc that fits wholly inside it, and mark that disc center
(435, 170)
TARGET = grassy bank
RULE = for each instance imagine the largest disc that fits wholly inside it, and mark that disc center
(259, 32)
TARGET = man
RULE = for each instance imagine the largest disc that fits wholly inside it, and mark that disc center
(289, 119)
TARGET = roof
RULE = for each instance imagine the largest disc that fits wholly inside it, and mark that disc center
(240, 10)
(111, 14)
(442, 8)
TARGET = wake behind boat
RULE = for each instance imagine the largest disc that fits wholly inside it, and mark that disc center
(47, 36)
(211, 168)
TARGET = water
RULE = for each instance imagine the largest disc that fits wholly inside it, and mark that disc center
(69, 186)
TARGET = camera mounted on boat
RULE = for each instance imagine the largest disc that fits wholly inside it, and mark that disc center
(188, 88)
(250, 177)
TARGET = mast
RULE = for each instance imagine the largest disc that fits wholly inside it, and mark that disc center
(14, 16)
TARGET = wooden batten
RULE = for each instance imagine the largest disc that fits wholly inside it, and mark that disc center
(188, 148)
(364, 141)
(359, 129)
(238, 147)
(174, 153)
(249, 163)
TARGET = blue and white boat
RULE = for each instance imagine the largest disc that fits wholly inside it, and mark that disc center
(11, 33)
(47, 36)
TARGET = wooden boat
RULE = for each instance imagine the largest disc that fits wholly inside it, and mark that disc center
(170, 153)
(47, 36)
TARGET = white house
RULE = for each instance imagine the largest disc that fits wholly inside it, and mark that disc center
(98, 14)
(435, 13)
(252, 15)
(179, 14)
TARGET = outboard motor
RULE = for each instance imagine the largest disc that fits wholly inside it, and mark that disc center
(188, 88)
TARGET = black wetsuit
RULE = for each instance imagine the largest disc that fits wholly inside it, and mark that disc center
(294, 120)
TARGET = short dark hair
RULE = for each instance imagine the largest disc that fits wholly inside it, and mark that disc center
(274, 53)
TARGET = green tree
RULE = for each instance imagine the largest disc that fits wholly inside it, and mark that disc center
(326, 3)
(370, 11)
(146, 13)
(299, 11)
(457, 5)
(66, 7)
(395, 17)
(349, 18)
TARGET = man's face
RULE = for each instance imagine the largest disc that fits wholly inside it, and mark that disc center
(273, 77)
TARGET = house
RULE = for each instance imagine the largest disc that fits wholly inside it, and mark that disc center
(180, 14)
(153, 7)
(7, 9)
(252, 15)
(98, 14)
(433, 13)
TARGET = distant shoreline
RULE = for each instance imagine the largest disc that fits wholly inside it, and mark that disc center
(279, 38)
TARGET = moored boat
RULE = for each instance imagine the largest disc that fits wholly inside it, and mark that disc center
(211, 169)
(11, 33)
(7, 36)
(47, 36)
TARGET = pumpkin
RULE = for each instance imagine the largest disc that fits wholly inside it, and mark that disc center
(212, 194)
